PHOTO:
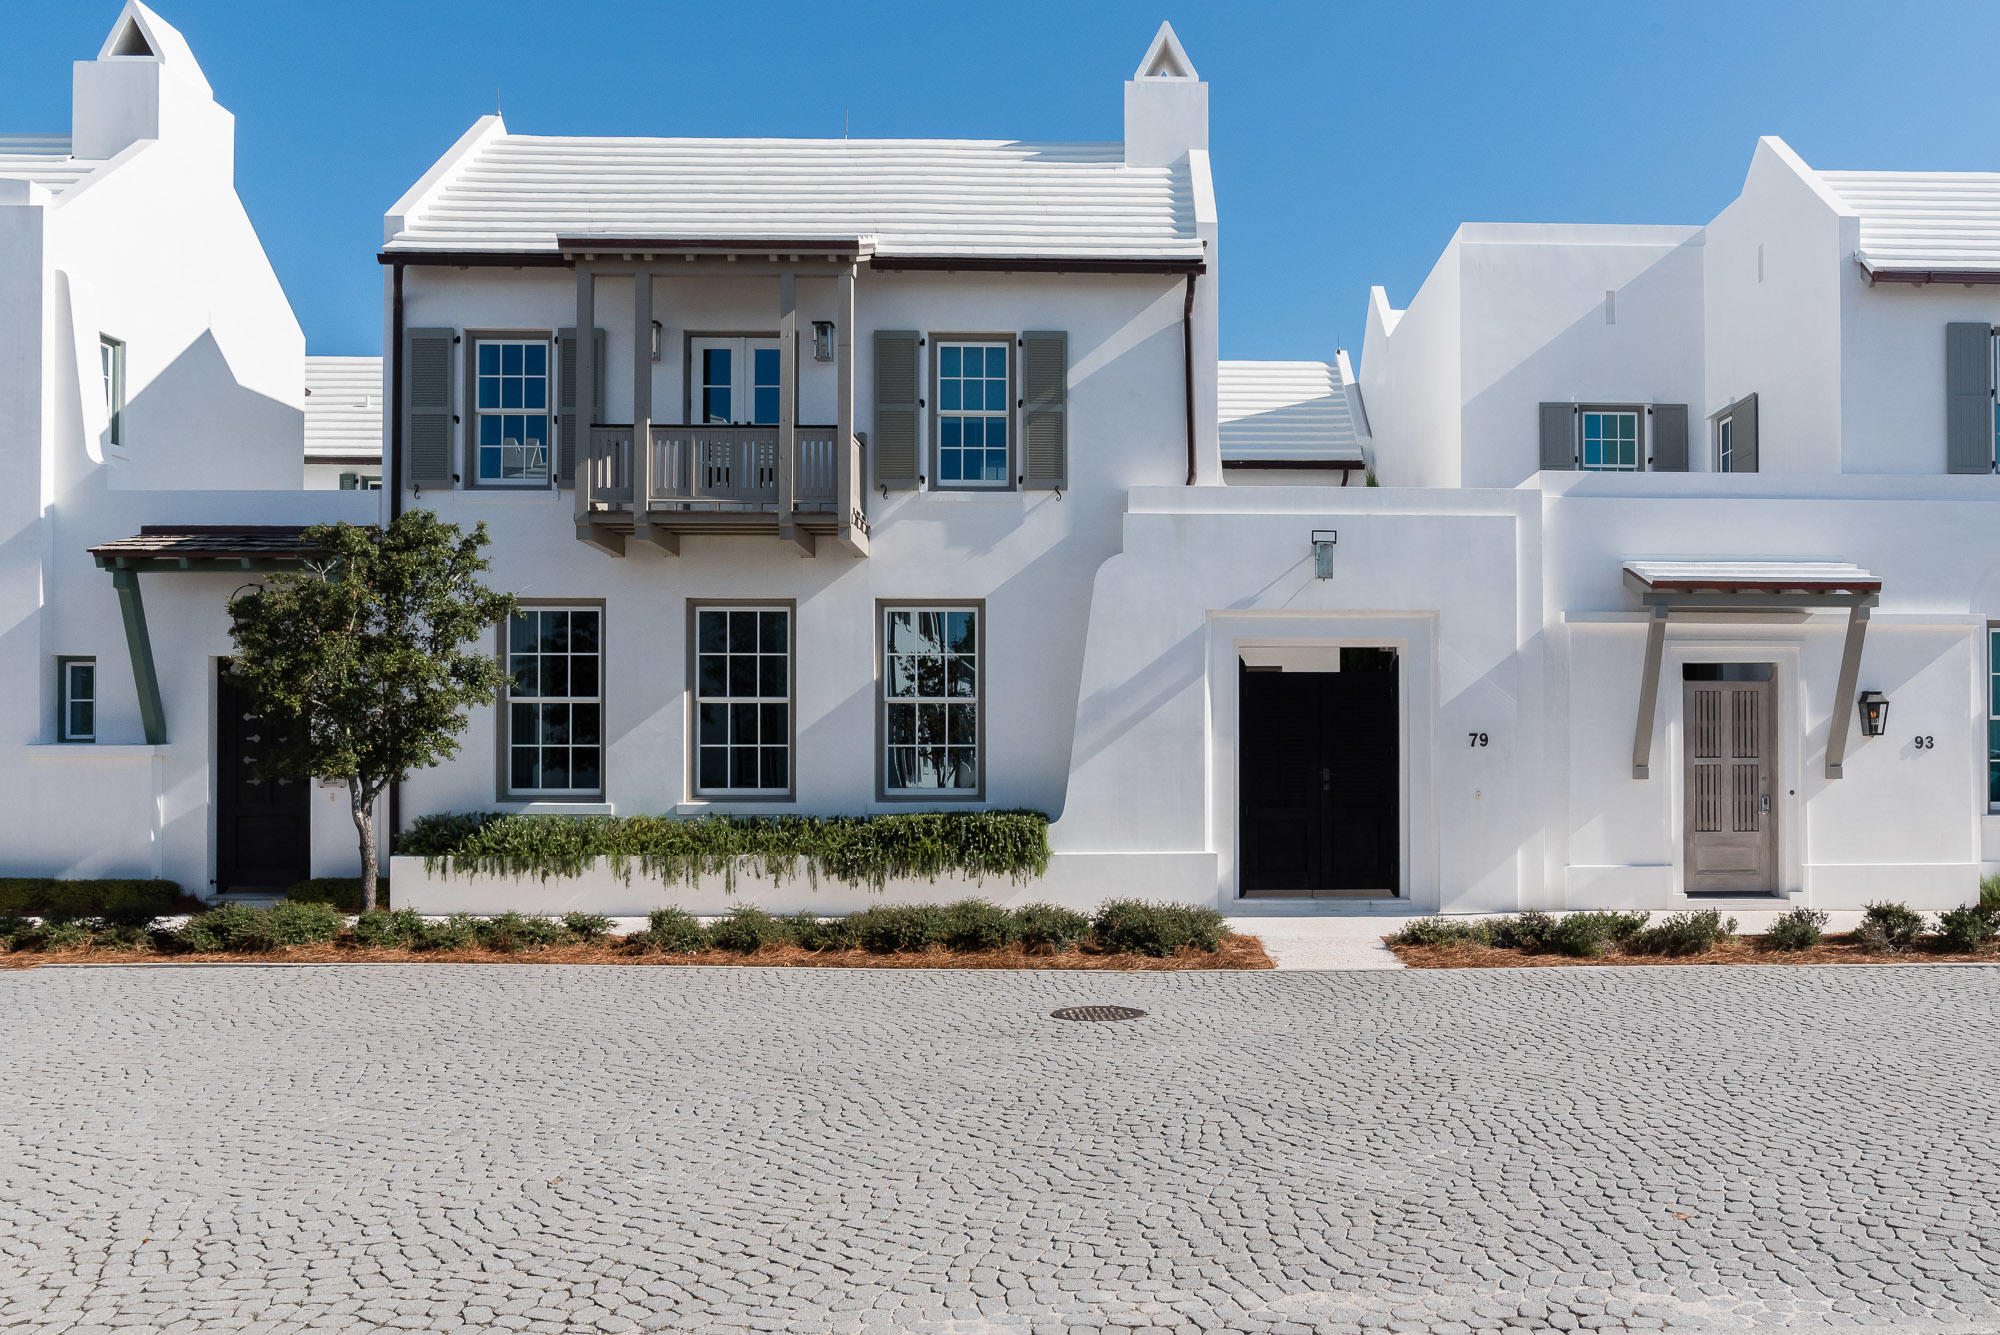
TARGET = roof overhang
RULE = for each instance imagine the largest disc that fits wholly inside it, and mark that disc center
(1321, 463)
(712, 251)
(208, 547)
(1908, 274)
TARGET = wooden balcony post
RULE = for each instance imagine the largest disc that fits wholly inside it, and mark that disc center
(586, 380)
(642, 414)
(788, 412)
(847, 487)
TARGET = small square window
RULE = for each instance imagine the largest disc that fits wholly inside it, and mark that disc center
(77, 699)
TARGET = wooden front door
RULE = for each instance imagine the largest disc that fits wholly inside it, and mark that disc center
(1318, 779)
(1729, 730)
(263, 822)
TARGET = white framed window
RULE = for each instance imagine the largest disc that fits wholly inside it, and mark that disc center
(555, 702)
(111, 362)
(733, 381)
(1725, 439)
(974, 418)
(360, 482)
(931, 725)
(76, 699)
(1611, 438)
(743, 701)
(511, 412)
(1993, 718)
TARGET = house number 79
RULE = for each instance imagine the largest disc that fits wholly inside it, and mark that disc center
(1475, 739)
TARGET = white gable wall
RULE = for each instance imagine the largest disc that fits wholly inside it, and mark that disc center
(1410, 378)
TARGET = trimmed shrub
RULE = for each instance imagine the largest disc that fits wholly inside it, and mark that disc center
(388, 929)
(343, 892)
(122, 936)
(589, 928)
(1533, 932)
(855, 850)
(1800, 929)
(675, 931)
(1049, 925)
(122, 901)
(304, 924)
(458, 932)
(1969, 929)
(1691, 933)
(977, 924)
(54, 934)
(517, 931)
(1435, 931)
(809, 931)
(1889, 927)
(226, 927)
(746, 930)
(1131, 926)
(892, 929)
(1583, 935)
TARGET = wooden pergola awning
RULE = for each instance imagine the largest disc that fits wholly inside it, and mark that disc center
(1709, 587)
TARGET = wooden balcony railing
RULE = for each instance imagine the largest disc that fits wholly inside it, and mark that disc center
(718, 467)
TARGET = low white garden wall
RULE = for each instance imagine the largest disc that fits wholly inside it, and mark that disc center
(1075, 880)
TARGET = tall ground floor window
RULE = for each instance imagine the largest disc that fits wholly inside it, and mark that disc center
(1993, 717)
(554, 741)
(743, 701)
(931, 700)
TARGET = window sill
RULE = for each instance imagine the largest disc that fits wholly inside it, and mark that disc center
(552, 806)
(514, 494)
(786, 805)
(904, 806)
(98, 750)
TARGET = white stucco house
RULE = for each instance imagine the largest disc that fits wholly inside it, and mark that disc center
(153, 374)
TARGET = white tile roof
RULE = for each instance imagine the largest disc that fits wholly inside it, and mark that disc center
(1285, 411)
(913, 197)
(43, 159)
(1924, 220)
(343, 408)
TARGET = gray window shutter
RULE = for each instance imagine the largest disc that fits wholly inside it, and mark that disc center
(1670, 438)
(896, 404)
(566, 427)
(1045, 418)
(1743, 435)
(1968, 389)
(1559, 435)
(427, 417)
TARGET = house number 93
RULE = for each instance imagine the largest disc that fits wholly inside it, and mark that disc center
(1475, 739)
(1924, 743)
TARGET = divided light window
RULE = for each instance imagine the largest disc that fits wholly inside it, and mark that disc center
(511, 413)
(76, 705)
(111, 362)
(1610, 440)
(930, 700)
(974, 415)
(555, 702)
(1993, 718)
(743, 701)
(1725, 439)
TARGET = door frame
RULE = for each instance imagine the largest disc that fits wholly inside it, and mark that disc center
(1308, 637)
(742, 388)
(1713, 644)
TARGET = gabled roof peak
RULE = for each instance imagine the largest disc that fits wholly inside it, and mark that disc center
(1165, 58)
(140, 34)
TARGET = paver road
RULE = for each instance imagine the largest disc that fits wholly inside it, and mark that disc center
(447, 1147)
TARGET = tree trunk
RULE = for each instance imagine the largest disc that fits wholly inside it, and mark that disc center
(364, 822)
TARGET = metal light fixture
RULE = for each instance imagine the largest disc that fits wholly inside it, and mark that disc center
(1323, 540)
(822, 340)
(659, 332)
(1874, 707)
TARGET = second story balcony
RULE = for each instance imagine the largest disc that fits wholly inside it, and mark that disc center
(723, 478)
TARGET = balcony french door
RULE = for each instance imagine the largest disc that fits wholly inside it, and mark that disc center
(733, 382)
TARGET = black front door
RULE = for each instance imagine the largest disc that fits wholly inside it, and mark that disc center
(263, 823)
(1318, 777)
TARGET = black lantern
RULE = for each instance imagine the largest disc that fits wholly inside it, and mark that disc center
(1874, 707)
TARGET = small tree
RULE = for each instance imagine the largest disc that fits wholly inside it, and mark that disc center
(360, 660)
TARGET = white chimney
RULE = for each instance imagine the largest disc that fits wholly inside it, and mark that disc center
(1166, 105)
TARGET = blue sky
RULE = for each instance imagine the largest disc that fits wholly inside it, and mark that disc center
(1349, 138)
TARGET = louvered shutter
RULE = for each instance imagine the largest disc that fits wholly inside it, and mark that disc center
(427, 419)
(567, 431)
(896, 409)
(1045, 416)
(1559, 435)
(1968, 389)
(1743, 435)
(1670, 438)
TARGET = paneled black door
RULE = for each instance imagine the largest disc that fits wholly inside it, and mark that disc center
(1318, 778)
(263, 823)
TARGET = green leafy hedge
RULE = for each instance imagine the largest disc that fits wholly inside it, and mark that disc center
(120, 901)
(853, 850)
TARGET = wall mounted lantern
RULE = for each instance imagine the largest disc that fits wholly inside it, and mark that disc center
(1323, 540)
(822, 340)
(1874, 707)
(659, 332)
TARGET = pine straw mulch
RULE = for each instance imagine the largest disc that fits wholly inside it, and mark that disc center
(1742, 950)
(1238, 952)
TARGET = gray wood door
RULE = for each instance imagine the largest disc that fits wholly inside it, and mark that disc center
(1729, 730)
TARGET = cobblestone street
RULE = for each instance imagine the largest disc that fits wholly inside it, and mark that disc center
(438, 1148)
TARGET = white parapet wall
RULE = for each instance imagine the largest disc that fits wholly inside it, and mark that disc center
(1075, 880)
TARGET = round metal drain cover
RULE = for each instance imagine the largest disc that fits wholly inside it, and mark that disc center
(1096, 1013)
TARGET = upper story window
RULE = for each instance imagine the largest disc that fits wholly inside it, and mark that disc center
(111, 361)
(974, 414)
(1725, 441)
(76, 702)
(511, 411)
(1610, 441)
(555, 702)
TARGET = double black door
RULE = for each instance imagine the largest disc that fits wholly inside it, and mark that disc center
(263, 822)
(1319, 777)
